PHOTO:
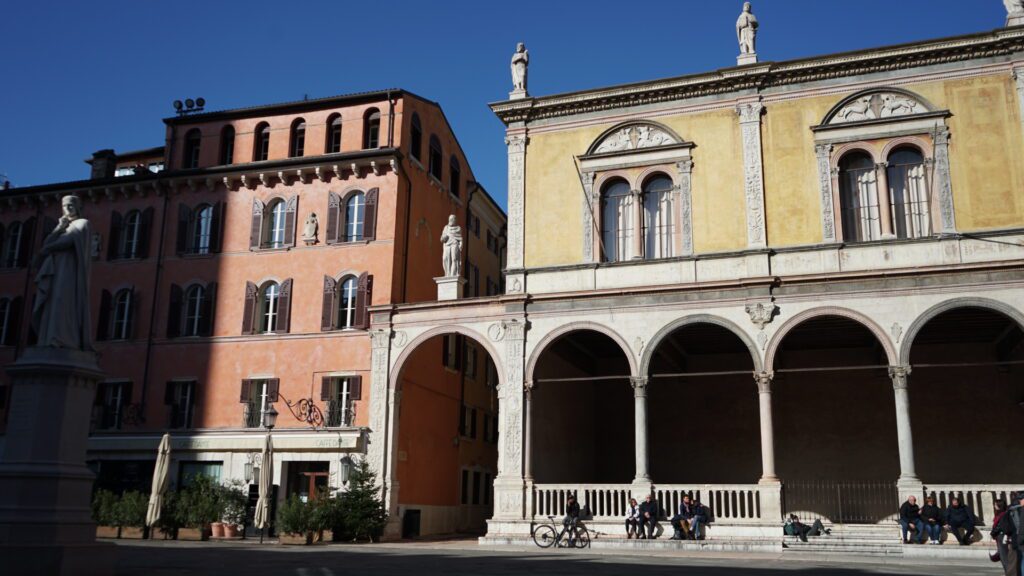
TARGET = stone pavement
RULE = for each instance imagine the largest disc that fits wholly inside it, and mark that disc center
(466, 557)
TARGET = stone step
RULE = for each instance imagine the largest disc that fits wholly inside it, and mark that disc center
(731, 545)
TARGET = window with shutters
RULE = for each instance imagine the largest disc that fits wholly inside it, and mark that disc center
(190, 159)
(190, 312)
(416, 139)
(12, 245)
(371, 129)
(340, 394)
(227, 145)
(273, 224)
(345, 302)
(194, 311)
(202, 225)
(123, 313)
(256, 397)
(297, 139)
(333, 144)
(435, 159)
(112, 398)
(200, 229)
(179, 397)
(129, 234)
(352, 218)
(455, 181)
(261, 142)
(269, 302)
(355, 211)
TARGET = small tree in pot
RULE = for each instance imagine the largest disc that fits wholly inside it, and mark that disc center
(234, 500)
(201, 505)
(131, 513)
(294, 521)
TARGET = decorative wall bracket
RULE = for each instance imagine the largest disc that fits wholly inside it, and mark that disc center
(761, 313)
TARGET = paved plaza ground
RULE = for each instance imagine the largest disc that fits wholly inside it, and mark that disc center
(451, 558)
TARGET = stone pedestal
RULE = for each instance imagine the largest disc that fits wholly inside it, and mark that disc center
(744, 59)
(1015, 20)
(449, 287)
(45, 486)
(517, 95)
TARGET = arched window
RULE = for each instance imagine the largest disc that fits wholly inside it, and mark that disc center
(333, 145)
(297, 139)
(908, 193)
(202, 227)
(123, 312)
(269, 296)
(659, 217)
(371, 129)
(435, 157)
(194, 311)
(261, 142)
(416, 138)
(129, 235)
(355, 217)
(347, 291)
(858, 198)
(616, 221)
(274, 224)
(12, 245)
(227, 145)
(192, 140)
(455, 176)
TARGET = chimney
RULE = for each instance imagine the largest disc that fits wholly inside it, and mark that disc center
(103, 164)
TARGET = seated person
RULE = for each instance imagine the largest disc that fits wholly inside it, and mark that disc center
(910, 516)
(572, 518)
(794, 527)
(649, 512)
(632, 519)
(931, 517)
(959, 516)
(688, 521)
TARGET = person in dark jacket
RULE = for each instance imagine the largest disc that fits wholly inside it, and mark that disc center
(931, 517)
(1010, 529)
(959, 516)
(910, 515)
(794, 527)
(649, 512)
(687, 523)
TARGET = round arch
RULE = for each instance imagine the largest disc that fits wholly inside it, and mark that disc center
(555, 334)
(410, 348)
(665, 331)
(946, 306)
(780, 335)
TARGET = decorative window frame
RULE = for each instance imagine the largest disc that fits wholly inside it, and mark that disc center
(877, 136)
(618, 153)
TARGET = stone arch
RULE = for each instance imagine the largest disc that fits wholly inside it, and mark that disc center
(668, 329)
(410, 348)
(557, 333)
(903, 141)
(964, 302)
(780, 335)
(853, 147)
(595, 146)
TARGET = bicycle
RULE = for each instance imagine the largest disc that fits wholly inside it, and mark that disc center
(548, 535)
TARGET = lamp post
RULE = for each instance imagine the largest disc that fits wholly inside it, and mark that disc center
(269, 419)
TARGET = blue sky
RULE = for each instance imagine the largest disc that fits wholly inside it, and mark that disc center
(81, 76)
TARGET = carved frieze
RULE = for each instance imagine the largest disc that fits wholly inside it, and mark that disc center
(634, 137)
(877, 106)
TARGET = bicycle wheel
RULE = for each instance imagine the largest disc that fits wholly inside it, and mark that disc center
(544, 536)
(582, 538)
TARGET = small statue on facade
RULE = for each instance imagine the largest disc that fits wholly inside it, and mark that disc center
(451, 244)
(1014, 12)
(310, 228)
(520, 61)
(746, 31)
(60, 315)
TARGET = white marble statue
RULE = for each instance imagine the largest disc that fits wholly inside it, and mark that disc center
(746, 30)
(310, 228)
(60, 315)
(451, 243)
(1014, 7)
(520, 60)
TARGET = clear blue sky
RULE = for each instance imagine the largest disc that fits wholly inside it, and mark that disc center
(80, 76)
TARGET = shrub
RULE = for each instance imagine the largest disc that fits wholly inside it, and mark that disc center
(294, 516)
(200, 502)
(104, 508)
(131, 509)
(233, 500)
(171, 514)
(362, 510)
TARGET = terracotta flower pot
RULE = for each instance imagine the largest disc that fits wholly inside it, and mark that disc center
(217, 529)
(296, 539)
(106, 531)
(232, 531)
(132, 532)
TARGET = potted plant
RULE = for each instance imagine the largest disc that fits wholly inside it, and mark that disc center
(104, 513)
(363, 513)
(170, 516)
(131, 514)
(293, 522)
(323, 516)
(234, 500)
(201, 506)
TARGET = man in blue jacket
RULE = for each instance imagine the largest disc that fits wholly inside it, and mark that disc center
(960, 516)
(692, 513)
(649, 512)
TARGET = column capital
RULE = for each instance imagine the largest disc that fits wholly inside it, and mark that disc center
(764, 381)
(516, 143)
(685, 166)
(528, 388)
(639, 384)
(899, 376)
(750, 111)
(881, 165)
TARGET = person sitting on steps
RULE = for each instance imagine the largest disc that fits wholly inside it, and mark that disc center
(910, 517)
(632, 519)
(931, 517)
(649, 512)
(687, 522)
(794, 527)
(960, 516)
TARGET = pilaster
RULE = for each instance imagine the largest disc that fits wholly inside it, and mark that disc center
(589, 217)
(685, 203)
(942, 179)
(380, 409)
(516, 140)
(823, 152)
(509, 486)
(753, 171)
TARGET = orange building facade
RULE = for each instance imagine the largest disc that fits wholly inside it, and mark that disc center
(233, 269)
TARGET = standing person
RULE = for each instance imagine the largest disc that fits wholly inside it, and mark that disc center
(932, 518)
(633, 519)
(910, 515)
(960, 516)
(649, 512)
(1010, 529)
(1002, 553)
(572, 517)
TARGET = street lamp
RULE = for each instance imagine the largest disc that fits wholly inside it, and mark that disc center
(346, 469)
(269, 417)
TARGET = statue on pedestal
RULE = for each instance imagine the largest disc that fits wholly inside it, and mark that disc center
(310, 228)
(451, 244)
(746, 30)
(520, 60)
(1014, 12)
(60, 315)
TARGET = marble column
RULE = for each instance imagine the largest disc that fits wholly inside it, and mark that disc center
(509, 485)
(643, 476)
(637, 198)
(528, 431)
(764, 394)
(884, 201)
(899, 375)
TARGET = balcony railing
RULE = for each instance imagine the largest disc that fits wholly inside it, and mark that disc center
(339, 415)
(252, 415)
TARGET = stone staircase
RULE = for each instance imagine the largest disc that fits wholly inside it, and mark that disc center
(882, 541)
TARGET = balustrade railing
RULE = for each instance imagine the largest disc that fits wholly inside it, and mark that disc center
(727, 502)
(979, 497)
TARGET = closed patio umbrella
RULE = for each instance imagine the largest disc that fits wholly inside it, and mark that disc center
(156, 493)
(262, 515)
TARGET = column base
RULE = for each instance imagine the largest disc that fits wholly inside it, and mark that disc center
(769, 480)
(641, 487)
(510, 499)
(909, 486)
(95, 559)
(1015, 20)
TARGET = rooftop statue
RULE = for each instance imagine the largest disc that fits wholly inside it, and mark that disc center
(60, 315)
(746, 30)
(451, 243)
(520, 60)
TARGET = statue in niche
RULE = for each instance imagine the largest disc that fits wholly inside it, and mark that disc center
(1014, 7)
(60, 315)
(746, 30)
(520, 60)
(451, 244)
(309, 229)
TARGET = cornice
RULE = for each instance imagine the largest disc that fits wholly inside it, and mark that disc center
(1000, 42)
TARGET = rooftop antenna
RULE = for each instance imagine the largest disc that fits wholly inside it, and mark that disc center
(190, 106)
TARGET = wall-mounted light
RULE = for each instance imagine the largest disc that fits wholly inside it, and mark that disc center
(345, 467)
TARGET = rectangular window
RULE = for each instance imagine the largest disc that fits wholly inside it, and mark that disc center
(257, 403)
(180, 398)
(187, 472)
(339, 403)
(111, 401)
(465, 487)
(476, 488)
